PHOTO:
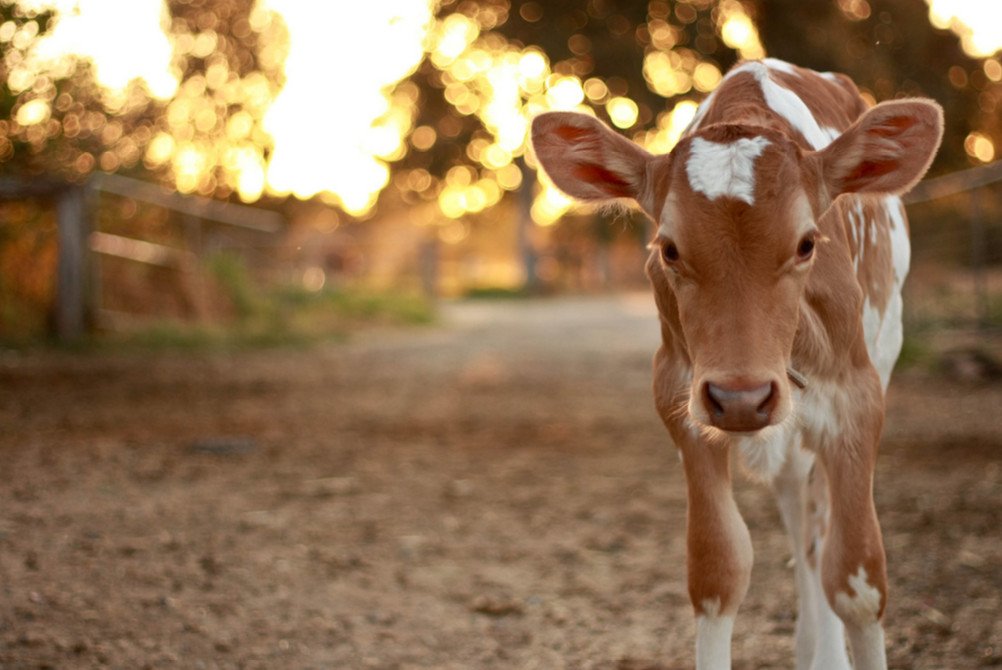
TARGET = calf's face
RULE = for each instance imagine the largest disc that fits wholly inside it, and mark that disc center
(736, 209)
(735, 243)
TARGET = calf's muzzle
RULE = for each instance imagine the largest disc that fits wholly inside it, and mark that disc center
(740, 408)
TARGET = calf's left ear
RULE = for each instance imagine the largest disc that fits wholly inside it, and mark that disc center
(887, 150)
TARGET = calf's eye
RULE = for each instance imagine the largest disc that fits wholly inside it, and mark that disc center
(669, 252)
(805, 249)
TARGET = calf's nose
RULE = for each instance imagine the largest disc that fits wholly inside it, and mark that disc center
(740, 408)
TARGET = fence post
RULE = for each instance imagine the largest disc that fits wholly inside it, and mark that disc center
(526, 244)
(430, 260)
(72, 279)
(193, 276)
(978, 242)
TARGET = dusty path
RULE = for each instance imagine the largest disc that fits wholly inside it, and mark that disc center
(492, 493)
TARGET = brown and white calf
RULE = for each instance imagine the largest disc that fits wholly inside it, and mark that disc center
(777, 269)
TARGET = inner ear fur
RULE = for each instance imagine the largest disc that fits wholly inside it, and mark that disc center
(887, 150)
(588, 160)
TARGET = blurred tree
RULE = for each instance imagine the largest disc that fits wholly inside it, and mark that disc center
(53, 117)
(207, 137)
(494, 64)
(228, 55)
(628, 62)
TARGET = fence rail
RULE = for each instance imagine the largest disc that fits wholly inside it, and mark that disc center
(955, 182)
(972, 182)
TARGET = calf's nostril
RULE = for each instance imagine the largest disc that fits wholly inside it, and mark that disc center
(714, 398)
(769, 401)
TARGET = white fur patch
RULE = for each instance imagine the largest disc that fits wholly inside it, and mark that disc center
(803, 215)
(861, 608)
(788, 104)
(868, 648)
(764, 453)
(883, 331)
(818, 409)
(901, 249)
(727, 170)
(669, 215)
(711, 607)
(884, 335)
(781, 65)
(697, 119)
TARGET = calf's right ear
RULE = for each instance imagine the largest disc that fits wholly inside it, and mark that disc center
(887, 150)
(587, 160)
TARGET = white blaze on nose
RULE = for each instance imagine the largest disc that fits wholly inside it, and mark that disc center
(716, 169)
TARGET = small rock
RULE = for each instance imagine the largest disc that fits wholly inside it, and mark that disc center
(459, 488)
(223, 446)
(496, 606)
(972, 366)
(327, 487)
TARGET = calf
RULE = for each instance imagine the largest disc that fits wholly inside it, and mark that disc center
(777, 268)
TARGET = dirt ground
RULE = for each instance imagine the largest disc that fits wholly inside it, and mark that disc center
(492, 492)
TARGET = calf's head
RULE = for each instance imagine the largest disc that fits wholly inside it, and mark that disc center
(737, 210)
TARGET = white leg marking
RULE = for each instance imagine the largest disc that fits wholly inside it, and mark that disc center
(862, 607)
(717, 170)
(790, 488)
(713, 638)
(829, 645)
(867, 645)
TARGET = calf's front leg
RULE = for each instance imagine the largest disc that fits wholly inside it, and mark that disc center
(719, 550)
(853, 565)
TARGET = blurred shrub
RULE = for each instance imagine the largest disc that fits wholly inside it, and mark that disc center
(27, 270)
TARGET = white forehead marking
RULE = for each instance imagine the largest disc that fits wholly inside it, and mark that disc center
(717, 170)
(780, 65)
(697, 119)
(788, 104)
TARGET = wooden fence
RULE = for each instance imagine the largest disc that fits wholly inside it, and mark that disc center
(80, 245)
(77, 282)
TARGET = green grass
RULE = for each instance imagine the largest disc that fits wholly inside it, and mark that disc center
(289, 316)
(282, 317)
(916, 351)
(497, 293)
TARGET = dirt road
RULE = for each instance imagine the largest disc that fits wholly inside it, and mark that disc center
(493, 492)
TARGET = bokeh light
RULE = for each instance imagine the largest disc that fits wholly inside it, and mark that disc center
(142, 51)
(980, 146)
(334, 124)
(977, 22)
